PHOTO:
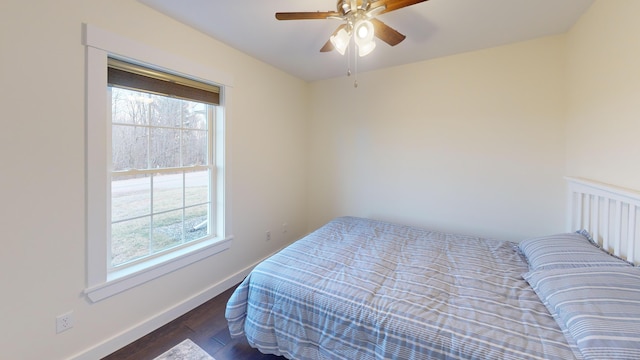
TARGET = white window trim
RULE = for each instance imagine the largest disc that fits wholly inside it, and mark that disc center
(99, 45)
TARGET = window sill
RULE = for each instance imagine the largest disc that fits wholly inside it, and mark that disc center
(121, 280)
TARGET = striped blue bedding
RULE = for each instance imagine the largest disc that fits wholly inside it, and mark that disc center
(366, 289)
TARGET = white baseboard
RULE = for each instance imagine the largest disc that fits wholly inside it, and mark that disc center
(132, 334)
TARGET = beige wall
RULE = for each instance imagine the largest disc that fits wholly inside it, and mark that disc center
(603, 123)
(471, 143)
(42, 262)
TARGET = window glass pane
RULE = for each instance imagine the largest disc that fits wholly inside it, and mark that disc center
(165, 148)
(196, 224)
(167, 230)
(167, 192)
(196, 184)
(194, 147)
(130, 107)
(130, 197)
(195, 116)
(167, 112)
(130, 240)
(130, 146)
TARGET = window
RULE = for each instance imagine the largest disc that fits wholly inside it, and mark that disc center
(163, 163)
(155, 163)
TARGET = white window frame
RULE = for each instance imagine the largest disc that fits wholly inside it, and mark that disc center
(101, 283)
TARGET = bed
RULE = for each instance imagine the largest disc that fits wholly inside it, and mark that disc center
(367, 289)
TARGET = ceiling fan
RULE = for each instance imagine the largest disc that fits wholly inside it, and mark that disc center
(360, 22)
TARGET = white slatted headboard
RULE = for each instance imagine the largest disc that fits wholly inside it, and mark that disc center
(611, 214)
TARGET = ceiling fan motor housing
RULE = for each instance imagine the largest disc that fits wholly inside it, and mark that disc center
(344, 7)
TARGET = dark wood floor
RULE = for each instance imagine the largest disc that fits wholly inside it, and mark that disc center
(204, 325)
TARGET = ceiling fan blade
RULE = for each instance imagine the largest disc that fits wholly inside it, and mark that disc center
(328, 46)
(386, 33)
(306, 15)
(392, 5)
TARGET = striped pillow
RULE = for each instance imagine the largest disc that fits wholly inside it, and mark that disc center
(599, 306)
(568, 250)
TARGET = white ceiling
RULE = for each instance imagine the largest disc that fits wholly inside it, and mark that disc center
(433, 28)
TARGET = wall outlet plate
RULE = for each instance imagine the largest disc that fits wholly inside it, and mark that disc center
(64, 322)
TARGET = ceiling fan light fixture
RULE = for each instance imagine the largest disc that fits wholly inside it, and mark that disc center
(340, 41)
(365, 49)
(363, 31)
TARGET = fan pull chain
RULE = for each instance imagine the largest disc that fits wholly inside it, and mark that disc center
(355, 60)
(348, 60)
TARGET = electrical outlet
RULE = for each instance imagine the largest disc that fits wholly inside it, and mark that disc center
(284, 227)
(64, 322)
(268, 236)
